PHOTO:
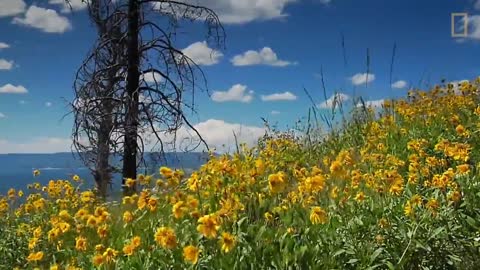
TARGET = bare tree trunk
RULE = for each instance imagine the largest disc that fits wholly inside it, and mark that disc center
(133, 77)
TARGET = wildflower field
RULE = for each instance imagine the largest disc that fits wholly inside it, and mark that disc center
(395, 189)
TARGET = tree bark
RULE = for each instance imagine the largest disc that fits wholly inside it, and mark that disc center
(133, 77)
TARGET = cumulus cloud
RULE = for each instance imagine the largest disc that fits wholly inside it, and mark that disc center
(361, 78)
(5, 65)
(151, 77)
(12, 89)
(74, 5)
(46, 20)
(334, 101)
(399, 84)
(4, 45)
(2, 115)
(201, 54)
(265, 56)
(286, 96)
(237, 92)
(218, 134)
(372, 103)
(11, 7)
(238, 12)
(36, 145)
(274, 112)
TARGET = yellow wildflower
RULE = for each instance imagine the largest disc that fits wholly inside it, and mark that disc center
(191, 254)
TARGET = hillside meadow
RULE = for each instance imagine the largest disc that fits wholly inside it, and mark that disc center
(395, 188)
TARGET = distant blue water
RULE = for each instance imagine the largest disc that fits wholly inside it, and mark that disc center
(16, 170)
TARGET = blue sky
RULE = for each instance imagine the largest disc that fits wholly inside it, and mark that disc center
(273, 49)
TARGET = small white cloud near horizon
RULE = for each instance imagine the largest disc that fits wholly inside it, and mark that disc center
(5, 64)
(12, 89)
(399, 84)
(274, 112)
(48, 104)
(73, 5)
(218, 134)
(2, 115)
(46, 20)
(237, 92)
(334, 101)
(36, 145)
(361, 78)
(201, 54)
(372, 103)
(4, 45)
(286, 96)
(265, 56)
(11, 7)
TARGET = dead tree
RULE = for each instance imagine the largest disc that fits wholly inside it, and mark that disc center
(98, 89)
(139, 109)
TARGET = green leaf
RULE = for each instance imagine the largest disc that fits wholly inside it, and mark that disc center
(338, 252)
(390, 265)
(436, 232)
(352, 261)
(375, 254)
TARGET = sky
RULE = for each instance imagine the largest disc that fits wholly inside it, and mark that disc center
(273, 51)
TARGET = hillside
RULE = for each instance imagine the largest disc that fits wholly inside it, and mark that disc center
(394, 188)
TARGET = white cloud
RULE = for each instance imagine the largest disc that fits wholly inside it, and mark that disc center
(11, 7)
(372, 103)
(474, 23)
(73, 5)
(47, 20)
(399, 84)
(22, 102)
(48, 104)
(265, 56)
(334, 101)
(218, 134)
(274, 112)
(201, 54)
(238, 92)
(473, 28)
(12, 89)
(4, 45)
(477, 4)
(36, 145)
(5, 65)
(152, 77)
(237, 12)
(456, 86)
(2, 115)
(279, 97)
(361, 78)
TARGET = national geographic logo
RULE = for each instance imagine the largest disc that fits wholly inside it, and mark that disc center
(462, 17)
